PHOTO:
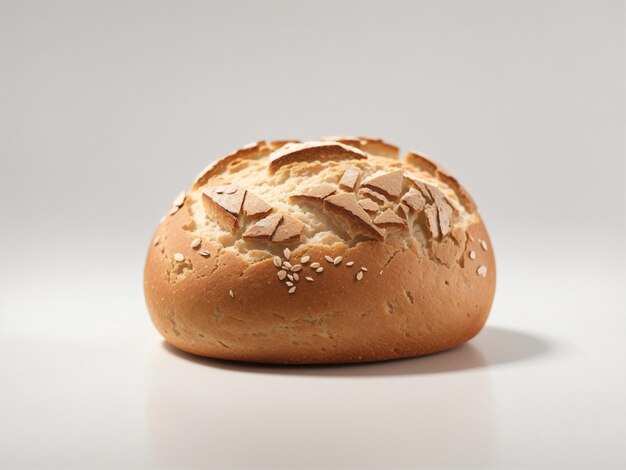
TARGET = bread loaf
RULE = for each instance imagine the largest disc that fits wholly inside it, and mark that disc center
(332, 251)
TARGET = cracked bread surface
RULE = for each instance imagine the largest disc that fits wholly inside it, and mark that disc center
(402, 229)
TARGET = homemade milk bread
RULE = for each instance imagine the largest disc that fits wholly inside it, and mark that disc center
(331, 251)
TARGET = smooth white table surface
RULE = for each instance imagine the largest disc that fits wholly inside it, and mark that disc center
(87, 383)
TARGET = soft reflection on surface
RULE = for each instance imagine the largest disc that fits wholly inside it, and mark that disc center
(431, 411)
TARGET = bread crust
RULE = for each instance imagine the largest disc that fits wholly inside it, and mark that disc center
(416, 297)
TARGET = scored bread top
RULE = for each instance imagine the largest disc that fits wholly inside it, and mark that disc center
(268, 196)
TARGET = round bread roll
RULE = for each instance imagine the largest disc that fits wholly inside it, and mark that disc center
(333, 251)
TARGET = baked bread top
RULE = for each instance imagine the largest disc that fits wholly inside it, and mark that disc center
(268, 196)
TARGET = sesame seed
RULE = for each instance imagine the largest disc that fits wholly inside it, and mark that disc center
(472, 254)
(296, 277)
(296, 268)
(287, 265)
(277, 262)
(359, 275)
(337, 260)
(230, 190)
(174, 210)
(292, 290)
(308, 278)
(230, 292)
(483, 243)
(305, 259)
(329, 259)
(287, 253)
(219, 190)
(179, 257)
(315, 265)
(289, 283)
(204, 253)
(380, 273)
(363, 269)
(282, 274)
(482, 270)
(290, 277)
(195, 243)
(157, 240)
(319, 270)
(349, 263)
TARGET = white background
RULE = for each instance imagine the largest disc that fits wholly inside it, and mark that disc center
(110, 108)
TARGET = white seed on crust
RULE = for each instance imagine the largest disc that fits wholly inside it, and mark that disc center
(157, 240)
(286, 265)
(337, 260)
(287, 253)
(359, 275)
(483, 243)
(292, 290)
(329, 259)
(204, 253)
(230, 190)
(482, 270)
(174, 210)
(305, 259)
(231, 293)
(296, 268)
(277, 262)
(308, 278)
(296, 277)
(315, 265)
(289, 283)
(290, 277)
(349, 263)
(195, 243)
(282, 274)
(380, 273)
(363, 269)
(179, 257)
(319, 270)
(472, 254)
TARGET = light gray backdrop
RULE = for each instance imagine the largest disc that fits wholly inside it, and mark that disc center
(110, 108)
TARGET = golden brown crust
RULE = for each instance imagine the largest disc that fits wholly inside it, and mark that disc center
(430, 167)
(346, 207)
(255, 207)
(289, 230)
(388, 219)
(417, 295)
(315, 193)
(370, 145)
(224, 205)
(350, 177)
(264, 228)
(421, 162)
(252, 150)
(416, 306)
(310, 151)
(390, 184)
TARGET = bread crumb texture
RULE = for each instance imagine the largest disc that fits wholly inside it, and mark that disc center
(293, 208)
